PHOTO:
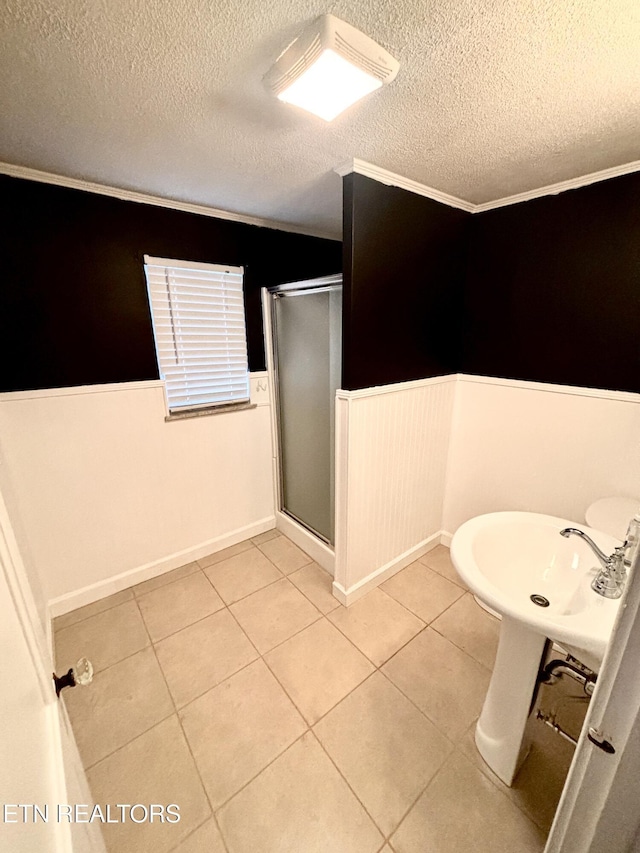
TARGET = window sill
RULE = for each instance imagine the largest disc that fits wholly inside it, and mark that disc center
(214, 410)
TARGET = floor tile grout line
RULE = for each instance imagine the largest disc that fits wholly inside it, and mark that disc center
(235, 619)
(293, 571)
(242, 598)
(500, 791)
(411, 613)
(94, 764)
(133, 595)
(155, 654)
(259, 656)
(422, 792)
(191, 832)
(121, 660)
(184, 627)
(173, 633)
(406, 606)
(422, 557)
(422, 711)
(94, 616)
(181, 708)
(399, 649)
(284, 574)
(196, 766)
(173, 713)
(228, 610)
(225, 606)
(184, 734)
(286, 693)
(497, 783)
(456, 744)
(308, 726)
(391, 682)
(348, 784)
(338, 604)
(228, 557)
(275, 536)
(149, 728)
(345, 697)
(299, 631)
(468, 654)
(99, 613)
(220, 832)
(261, 771)
(458, 583)
(339, 701)
(139, 595)
(311, 560)
(431, 625)
(151, 641)
(326, 617)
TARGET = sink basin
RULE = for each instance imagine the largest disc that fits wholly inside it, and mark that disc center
(506, 557)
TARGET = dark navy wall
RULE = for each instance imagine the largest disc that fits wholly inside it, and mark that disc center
(547, 290)
(553, 289)
(403, 268)
(73, 301)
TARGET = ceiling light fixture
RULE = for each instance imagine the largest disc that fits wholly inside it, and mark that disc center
(330, 67)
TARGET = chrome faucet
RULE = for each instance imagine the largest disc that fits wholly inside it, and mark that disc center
(610, 580)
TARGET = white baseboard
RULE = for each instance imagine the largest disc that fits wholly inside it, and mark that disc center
(323, 554)
(349, 596)
(94, 592)
(445, 538)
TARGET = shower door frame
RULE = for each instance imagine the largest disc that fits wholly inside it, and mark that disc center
(313, 542)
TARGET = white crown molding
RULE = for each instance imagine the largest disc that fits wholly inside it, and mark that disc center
(361, 167)
(29, 174)
(561, 186)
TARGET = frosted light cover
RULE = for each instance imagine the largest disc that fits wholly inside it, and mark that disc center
(329, 86)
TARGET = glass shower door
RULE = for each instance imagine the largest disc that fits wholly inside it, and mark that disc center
(307, 331)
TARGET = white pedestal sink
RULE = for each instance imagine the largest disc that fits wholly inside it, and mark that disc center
(506, 558)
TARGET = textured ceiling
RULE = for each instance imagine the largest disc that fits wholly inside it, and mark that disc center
(493, 97)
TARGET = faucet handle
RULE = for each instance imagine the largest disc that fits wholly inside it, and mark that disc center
(617, 566)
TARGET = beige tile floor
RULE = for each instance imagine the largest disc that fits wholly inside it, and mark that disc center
(238, 688)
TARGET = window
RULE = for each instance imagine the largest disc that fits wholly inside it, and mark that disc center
(199, 330)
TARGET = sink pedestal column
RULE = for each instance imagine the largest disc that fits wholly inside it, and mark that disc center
(501, 727)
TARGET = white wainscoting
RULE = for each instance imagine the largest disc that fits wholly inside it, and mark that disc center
(104, 493)
(109, 494)
(391, 458)
(540, 448)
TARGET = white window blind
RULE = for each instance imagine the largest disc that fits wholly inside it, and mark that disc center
(200, 333)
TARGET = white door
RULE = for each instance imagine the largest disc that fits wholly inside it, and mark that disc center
(39, 764)
(599, 810)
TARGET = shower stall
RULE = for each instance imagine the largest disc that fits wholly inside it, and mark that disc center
(304, 344)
